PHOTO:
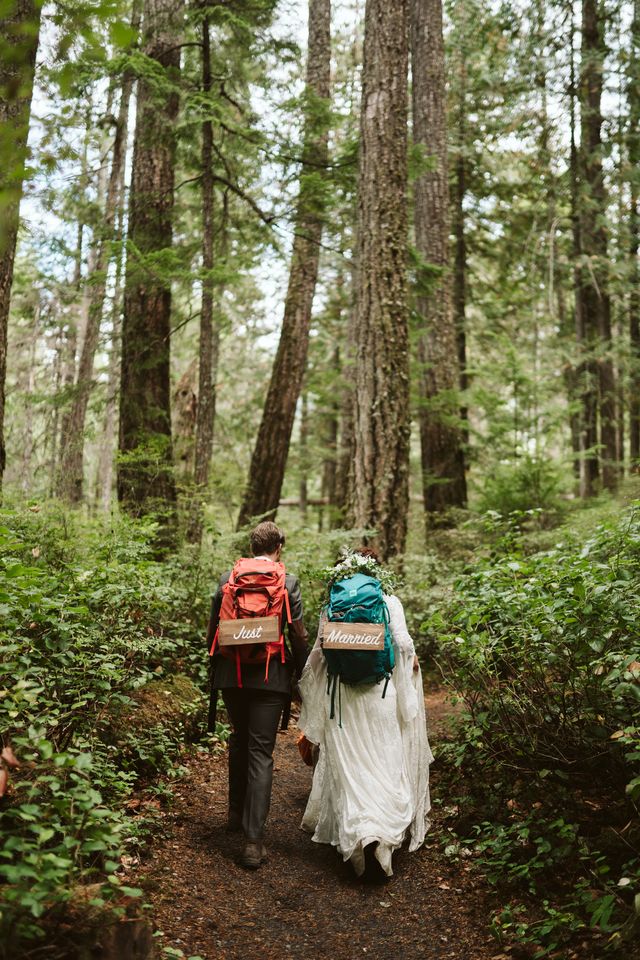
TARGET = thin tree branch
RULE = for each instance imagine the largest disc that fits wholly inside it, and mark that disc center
(265, 217)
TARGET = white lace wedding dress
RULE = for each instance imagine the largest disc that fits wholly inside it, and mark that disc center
(371, 783)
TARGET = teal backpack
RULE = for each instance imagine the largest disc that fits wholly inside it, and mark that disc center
(358, 599)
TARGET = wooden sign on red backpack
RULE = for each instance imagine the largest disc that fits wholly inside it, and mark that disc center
(250, 630)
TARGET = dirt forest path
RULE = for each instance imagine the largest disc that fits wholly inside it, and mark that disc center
(305, 902)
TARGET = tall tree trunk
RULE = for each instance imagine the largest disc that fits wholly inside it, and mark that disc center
(53, 424)
(209, 339)
(619, 304)
(619, 337)
(570, 380)
(76, 325)
(592, 288)
(28, 390)
(330, 426)
(184, 406)
(379, 491)
(269, 458)
(304, 455)
(71, 461)
(104, 488)
(459, 231)
(19, 34)
(584, 377)
(346, 353)
(634, 239)
(345, 405)
(145, 476)
(346, 446)
(443, 475)
(333, 489)
(555, 291)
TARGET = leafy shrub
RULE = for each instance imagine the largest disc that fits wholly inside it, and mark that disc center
(60, 833)
(529, 483)
(90, 625)
(545, 652)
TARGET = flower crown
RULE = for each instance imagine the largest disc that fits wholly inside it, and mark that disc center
(355, 562)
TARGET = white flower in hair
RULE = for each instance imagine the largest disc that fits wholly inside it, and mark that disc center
(355, 562)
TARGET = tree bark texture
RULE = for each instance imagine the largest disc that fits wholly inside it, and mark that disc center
(105, 465)
(72, 453)
(209, 338)
(330, 426)
(592, 291)
(379, 492)
(269, 458)
(184, 408)
(634, 239)
(304, 455)
(19, 34)
(443, 474)
(584, 379)
(145, 478)
(346, 443)
(460, 242)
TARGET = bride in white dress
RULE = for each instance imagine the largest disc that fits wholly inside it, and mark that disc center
(371, 783)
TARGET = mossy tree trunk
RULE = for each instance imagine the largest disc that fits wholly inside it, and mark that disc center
(145, 476)
(19, 35)
(379, 488)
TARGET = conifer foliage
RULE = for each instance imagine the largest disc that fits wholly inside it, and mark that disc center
(263, 266)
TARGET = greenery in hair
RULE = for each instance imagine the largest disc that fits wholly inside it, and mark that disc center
(353, 562)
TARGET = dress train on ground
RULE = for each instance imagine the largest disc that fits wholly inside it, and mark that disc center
(371, 783)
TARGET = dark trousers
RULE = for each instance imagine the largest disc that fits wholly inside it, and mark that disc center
(254, 716)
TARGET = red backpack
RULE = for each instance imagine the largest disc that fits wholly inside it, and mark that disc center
(255, 590)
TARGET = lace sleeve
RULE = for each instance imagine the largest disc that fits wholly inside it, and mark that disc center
(398, 624)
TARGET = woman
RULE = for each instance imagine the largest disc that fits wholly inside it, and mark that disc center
(371, 784)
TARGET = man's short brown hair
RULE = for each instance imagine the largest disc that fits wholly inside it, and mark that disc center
(266, 538)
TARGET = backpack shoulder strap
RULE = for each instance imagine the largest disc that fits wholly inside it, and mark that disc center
(288, 607)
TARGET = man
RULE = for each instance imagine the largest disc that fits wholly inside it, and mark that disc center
(256, 703)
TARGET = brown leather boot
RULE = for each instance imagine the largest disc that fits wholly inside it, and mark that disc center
(253, 855)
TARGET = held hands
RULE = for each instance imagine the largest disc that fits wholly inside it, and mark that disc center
(416, 664)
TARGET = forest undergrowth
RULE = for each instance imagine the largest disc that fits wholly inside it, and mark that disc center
(103, 687)
(543, 769)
